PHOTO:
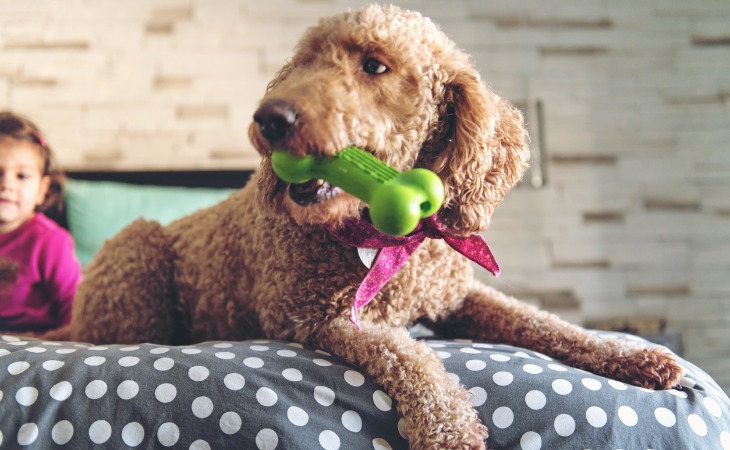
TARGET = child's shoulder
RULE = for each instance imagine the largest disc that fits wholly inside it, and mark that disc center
(43, 226)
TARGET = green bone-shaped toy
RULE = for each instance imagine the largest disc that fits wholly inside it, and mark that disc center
(398, 200)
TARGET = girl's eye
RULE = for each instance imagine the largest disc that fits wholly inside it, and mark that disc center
(374, 67)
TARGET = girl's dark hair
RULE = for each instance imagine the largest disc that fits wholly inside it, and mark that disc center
(17, 127)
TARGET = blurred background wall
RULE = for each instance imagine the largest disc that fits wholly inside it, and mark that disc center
(631, 229)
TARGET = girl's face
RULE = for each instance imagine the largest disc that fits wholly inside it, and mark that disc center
(22, 184)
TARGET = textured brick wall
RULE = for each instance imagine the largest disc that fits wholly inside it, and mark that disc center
(633, 222)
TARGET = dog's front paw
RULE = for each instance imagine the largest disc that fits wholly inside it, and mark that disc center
(652, 368)
(455, 427)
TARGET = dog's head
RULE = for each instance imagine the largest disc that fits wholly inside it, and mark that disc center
(389, 81)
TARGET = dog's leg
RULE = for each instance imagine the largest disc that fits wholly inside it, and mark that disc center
(435, 409)
(488, 314)
(126, 294)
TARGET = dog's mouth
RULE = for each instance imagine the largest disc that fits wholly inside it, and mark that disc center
(313, 192)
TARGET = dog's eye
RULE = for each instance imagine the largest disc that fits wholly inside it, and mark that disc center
(374, 67)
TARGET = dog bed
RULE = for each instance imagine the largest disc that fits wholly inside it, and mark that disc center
(263, 394)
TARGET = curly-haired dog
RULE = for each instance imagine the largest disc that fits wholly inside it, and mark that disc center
(264, 263)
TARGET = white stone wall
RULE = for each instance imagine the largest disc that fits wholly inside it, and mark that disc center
(634, 220)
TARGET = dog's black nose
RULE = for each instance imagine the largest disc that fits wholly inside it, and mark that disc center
(275, 118)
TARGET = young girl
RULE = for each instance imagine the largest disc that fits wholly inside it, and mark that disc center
(35, 249)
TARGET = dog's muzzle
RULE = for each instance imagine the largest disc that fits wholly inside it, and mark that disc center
(276, 119)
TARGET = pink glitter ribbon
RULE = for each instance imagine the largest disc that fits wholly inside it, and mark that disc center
(395, 251)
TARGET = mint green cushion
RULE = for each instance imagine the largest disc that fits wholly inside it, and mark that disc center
(97, 210)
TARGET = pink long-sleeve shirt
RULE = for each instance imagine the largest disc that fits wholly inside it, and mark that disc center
(48, 274)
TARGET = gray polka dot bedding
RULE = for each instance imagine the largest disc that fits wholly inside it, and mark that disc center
(278, 395)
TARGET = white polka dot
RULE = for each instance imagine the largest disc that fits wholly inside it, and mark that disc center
(100, 431)
(522, 355)
(503, 417)
(697, 424)
(96, 389)
(164, 364)
(564, 425)
(532, 369)
(52, 364)
(619, 386)
(259, 348)
(18, 367)
(503, 378)
(26, 396)
(159, 350)
(297, 416)
(18, 343)
(482, 345)
(202, 407)
(478, 396)
(191, 351)
(475, 365)
(435, 344)
(94, 361)
(724, 440)
(286, 353)
(322, 362)
(254, 363)
(712, 406)
(676, 393)
(61, 391)
(198, 373)
(687, 382)
(596, 416)
(292, 374)
(127, 390)
(62, 432)
(469, 350)
(354, 378)
(8, 338)
(329, 440)
(352, 421)
(230, 422)
(267, 439)
(562, 387)
(234, 381)
(199, 445)
(591, 384)
(400, 428)
(3, 352)
(133, 434)
(35, 349)
(28, 433)
(223, 345)
(1, 394)
(381, 444)
(324, 395)
(382, 401)
(130, 349)
(665, 417)
(322, 352)
(168, 434)
(454, 377)
(535, 400)
(128, 361)
(443, 355)
(558, 367)
(260, 341)
(545, 357)
(65, 351)
(98, 348)
(229, 355)
(165, 393)
(628, 416)
(267, 397)
(530, 441)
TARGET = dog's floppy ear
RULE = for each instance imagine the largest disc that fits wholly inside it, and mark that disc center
(480, 150)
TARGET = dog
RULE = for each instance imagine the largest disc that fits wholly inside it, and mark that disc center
(270, 261)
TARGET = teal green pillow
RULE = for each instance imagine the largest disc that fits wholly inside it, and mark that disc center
(97, 210)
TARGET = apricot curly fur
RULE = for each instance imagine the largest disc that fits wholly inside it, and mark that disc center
(260, 265)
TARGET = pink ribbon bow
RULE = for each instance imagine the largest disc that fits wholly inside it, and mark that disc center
(395, 251)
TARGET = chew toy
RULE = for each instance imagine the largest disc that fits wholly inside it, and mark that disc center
(398, 200)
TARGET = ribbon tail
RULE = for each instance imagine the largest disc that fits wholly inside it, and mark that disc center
(388, 261)
(476, 249)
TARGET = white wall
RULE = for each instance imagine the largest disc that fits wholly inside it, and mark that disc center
(634, 220)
